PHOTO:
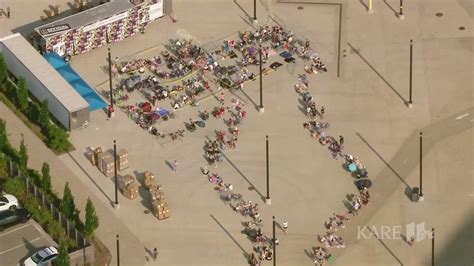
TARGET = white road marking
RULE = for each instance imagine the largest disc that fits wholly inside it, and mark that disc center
(19, 246)
(462, 116)
(16, 229)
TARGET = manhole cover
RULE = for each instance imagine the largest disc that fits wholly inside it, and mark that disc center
(462, 28)
(251, 188)
(300, 8)
(146, 211)
(439, 14)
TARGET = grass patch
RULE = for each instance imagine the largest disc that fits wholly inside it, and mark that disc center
(33, 127)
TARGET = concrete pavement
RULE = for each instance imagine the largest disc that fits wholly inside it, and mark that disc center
(366, 106)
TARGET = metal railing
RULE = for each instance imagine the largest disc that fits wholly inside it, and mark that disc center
(47, 204)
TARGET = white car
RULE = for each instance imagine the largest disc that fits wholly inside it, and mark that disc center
(8, 202)
(42, 257)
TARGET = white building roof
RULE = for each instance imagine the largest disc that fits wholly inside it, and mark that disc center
(44, 72)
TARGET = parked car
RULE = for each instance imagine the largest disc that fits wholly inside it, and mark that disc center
(14, 216)
(8, 202)
(42, 257)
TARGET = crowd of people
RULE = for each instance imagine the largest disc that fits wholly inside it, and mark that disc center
(317, 130)
(185, 57)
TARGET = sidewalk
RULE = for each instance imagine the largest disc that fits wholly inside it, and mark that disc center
(110, 225)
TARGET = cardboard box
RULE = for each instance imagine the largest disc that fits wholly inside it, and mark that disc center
(100, 160)
(95, 158)
(122, 159)
(131, 191)
(108, 167)
(156, 194)
(149, 180)
(124, 181)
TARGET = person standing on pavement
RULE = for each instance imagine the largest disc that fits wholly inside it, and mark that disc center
(175, 166)
(341, 140)
(8, 12)
(285, 226)
(155, 254)
(322, 112)
(222, 97)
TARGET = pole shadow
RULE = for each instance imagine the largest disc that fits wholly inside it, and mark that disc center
(242, 9)
(90, 178)
(364, 4)
(383, 160)
(385, 246)
(378, 73)
(391, 8)
(244, 253)
(169, 165)
(240, 172)
(248, 97)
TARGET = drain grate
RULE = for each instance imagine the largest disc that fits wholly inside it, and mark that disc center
(300, 8)
(439, 14)
(462, 28)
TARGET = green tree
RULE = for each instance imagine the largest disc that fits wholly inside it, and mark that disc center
(22, 94)
(58, 139)
(3, 135)
(45, 177)
(3, 70)
(67, 204)
(92, 221)
(44, 115)
(23, 155)
(63, 256)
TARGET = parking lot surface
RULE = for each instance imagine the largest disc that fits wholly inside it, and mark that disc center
(21, 241)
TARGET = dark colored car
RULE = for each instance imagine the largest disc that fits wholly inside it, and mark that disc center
(11, 217)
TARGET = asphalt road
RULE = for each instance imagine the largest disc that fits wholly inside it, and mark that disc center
(21, 241)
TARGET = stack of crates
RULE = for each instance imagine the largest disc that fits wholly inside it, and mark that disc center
(157, 197)
(128, 186)
(161, 209)
(122, 159)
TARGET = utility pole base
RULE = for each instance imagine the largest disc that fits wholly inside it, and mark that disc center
(410, 105)
(255, 21)
(268, 201)
(370, 11)
(401, 16)
(421, 198)
(116, 206)
(261, 109)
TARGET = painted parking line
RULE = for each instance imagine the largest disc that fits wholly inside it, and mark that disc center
(16, 229)
(19, 246)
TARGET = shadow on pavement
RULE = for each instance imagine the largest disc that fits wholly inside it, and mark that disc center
(244, 253)
(383, 160)
(391, 8)
(376, 72)
(91, 179)
(242, 9)
(384, 245)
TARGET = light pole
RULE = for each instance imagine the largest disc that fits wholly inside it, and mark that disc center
(432, 247)
(260, 108)
(255, 11)
(118, 250)
(274, 244)
(116, 204)
(410, 102)
(400, 14)
(421, 166)
(268, 200)
(369, 8)
(111, 107)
